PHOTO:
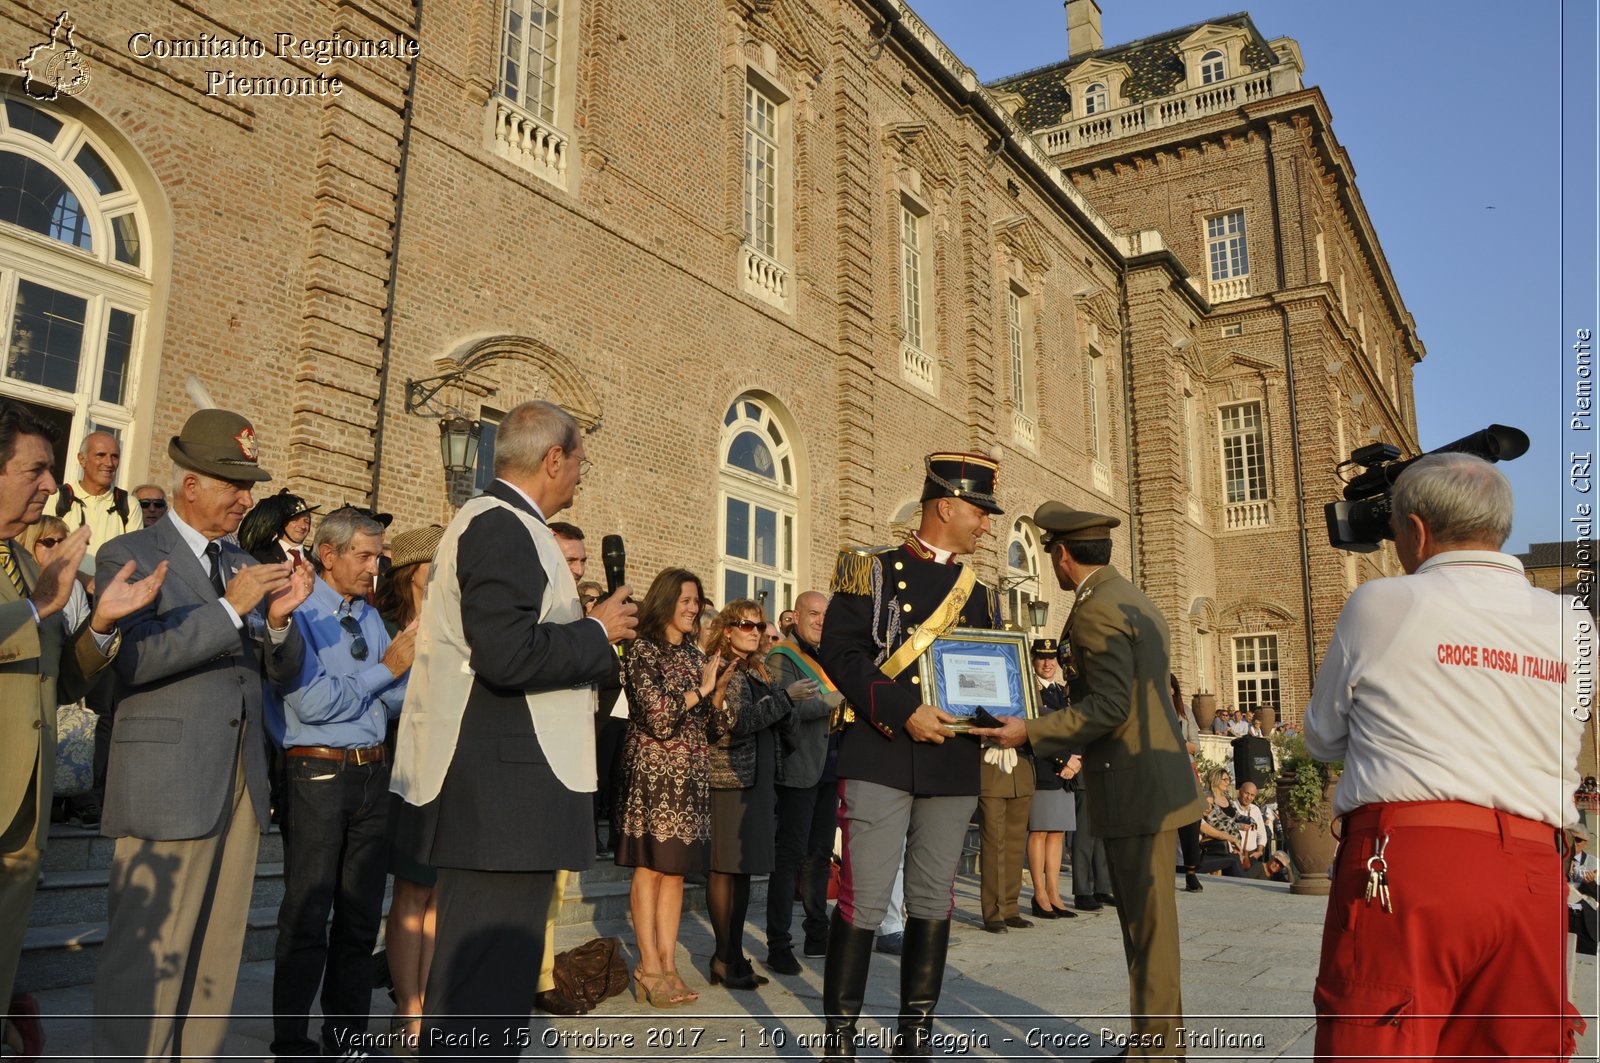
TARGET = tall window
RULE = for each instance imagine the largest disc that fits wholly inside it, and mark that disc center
(530, 56)
(1022, 573)
(1097, 399)
(1018, 347)
(912, 239)
(1189, 443)
(1255, 671)
(761, 170)
(1213, 67)
(75, 284)
(1225, 246)
(758, 494)
(1244, 473)
(1096, 99)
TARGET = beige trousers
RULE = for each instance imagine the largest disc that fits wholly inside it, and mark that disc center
(163, 989)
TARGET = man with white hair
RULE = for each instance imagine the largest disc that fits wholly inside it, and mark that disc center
(496, 746)
(1451, 696)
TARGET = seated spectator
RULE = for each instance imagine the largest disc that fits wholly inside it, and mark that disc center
(1219, 723)
(1219, 844)
(1238, 726)
(1253, 720)
(1275, 868)
(1251, 825)
(1581, 897)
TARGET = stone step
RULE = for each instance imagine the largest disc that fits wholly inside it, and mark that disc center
(79, 897)
(81, 849)
(54, 957)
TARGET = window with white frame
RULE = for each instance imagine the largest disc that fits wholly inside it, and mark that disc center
(759, 515)
(761, 170)
(530, 59)
(1096, 99)
(1189, 467)
(1225, 246)
(75, 274)
(1255, 671)
(1018, 346)
(1244, 471)
(913, 278)
(1213, 67)
(1022, 573)
(1097, 401)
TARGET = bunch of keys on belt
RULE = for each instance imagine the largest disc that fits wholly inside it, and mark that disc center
(1378, 876)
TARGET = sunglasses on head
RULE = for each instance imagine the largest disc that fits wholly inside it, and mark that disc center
(358, 645)
(152, 503)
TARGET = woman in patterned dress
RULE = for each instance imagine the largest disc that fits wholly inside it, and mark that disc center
(676, 698)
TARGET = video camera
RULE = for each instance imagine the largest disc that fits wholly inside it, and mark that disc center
(1360, 522)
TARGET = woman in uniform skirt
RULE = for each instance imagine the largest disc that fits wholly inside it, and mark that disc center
(1052, 813)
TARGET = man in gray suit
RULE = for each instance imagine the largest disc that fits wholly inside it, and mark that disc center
(186, 792)
(1135, 768)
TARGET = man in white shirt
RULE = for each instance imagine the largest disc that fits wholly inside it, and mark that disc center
(1451, 695)
(95, 502)
(1252, 825)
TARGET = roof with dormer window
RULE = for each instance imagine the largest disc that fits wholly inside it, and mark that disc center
(1155, 64)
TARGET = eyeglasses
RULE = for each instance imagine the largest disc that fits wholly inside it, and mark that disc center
(747, 625)
(50, 542)
(152, 503)
(358, 645)
(590, 599)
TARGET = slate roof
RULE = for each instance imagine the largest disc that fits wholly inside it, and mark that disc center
(1155, 62)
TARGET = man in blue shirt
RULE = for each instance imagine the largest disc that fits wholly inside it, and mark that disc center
(331, 723)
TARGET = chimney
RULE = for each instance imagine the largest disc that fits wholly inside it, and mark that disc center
(1083, 27)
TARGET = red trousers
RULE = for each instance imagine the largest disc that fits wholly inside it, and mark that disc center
(1471, 961)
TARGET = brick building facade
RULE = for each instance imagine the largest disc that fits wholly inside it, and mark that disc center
(770, 252)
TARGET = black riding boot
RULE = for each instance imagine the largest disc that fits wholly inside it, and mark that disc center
(921, 975)
(844, 985)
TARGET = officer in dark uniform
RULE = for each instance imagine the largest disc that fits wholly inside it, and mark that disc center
(907, 782)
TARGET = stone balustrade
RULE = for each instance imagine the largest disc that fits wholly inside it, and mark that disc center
(764, 277)
(1024, 430)
(1242, 515)
(529, 142)
(920, 368)
(1227, 289)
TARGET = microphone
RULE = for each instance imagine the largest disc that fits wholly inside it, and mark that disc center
(616, 562)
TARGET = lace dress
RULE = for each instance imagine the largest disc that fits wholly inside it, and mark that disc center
(666, 782)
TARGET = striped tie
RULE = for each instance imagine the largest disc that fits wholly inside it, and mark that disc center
(13, 570)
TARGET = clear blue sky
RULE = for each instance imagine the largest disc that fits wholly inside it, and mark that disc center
(1447, 111)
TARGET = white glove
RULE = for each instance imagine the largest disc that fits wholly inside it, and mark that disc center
(1004, 759)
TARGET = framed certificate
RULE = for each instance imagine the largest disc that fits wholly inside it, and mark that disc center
(975, 672)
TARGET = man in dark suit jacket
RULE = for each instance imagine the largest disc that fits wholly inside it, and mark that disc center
(907, 782)
(1135, 769)
(496, 746)
(186, 791)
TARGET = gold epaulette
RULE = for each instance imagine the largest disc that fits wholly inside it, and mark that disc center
(852, 573)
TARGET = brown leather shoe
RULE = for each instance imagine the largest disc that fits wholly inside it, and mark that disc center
(1018, 922)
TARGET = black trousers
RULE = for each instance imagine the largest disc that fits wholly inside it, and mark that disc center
(486, 956)
(335, 857)
(804, 847)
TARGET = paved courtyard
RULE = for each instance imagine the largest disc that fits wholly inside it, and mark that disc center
(1057, 990)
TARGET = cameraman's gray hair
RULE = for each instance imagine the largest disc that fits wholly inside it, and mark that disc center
(339, 527)
(527, 433)
(1461, 498)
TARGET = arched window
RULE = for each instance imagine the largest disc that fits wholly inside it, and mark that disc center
(1213, 67)
(758, 515)
(1022, 573)
(1096, 99)
(75, 273)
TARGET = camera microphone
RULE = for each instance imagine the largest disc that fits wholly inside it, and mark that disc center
(616, 562)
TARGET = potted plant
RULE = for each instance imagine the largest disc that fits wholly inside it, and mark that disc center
(1305, 801)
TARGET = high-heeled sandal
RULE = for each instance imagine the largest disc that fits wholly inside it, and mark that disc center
(655, 989)
(681, 991)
